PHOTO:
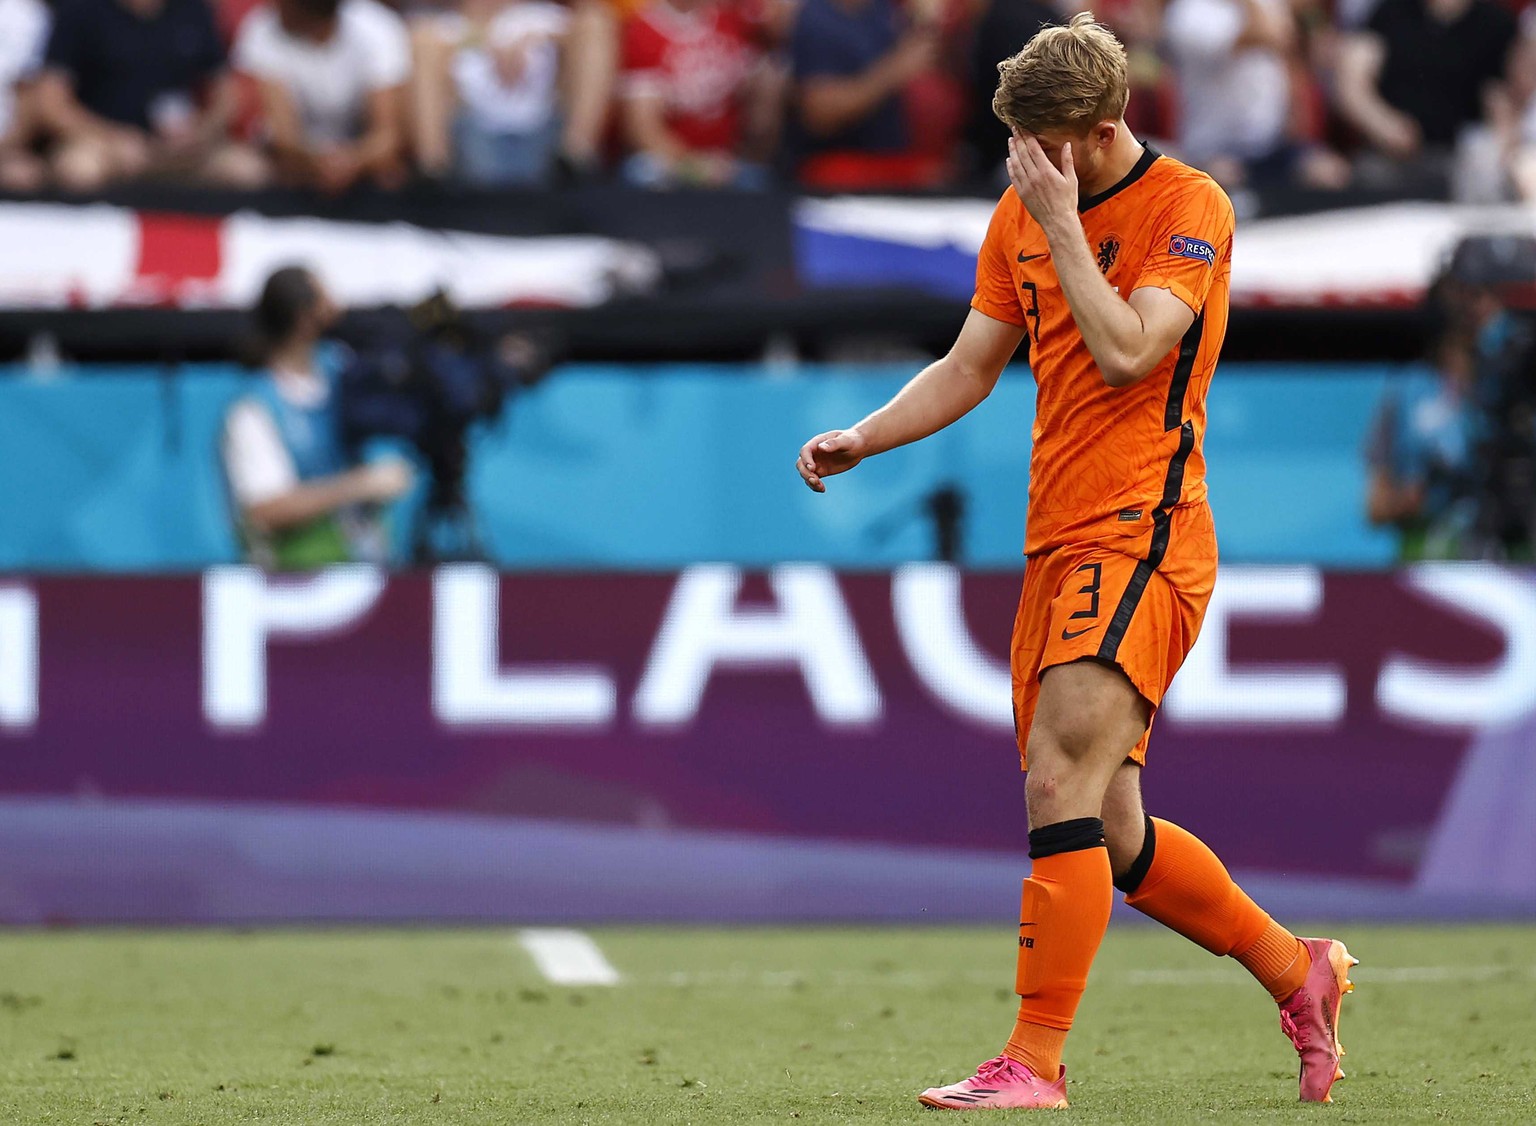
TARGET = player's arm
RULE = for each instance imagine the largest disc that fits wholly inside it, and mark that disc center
(939, 394)
(1127, 337)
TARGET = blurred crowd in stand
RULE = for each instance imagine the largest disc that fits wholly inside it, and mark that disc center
(1435, 97)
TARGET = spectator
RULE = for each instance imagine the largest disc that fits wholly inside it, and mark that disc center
(139, 87)
(1514, 114)
(1414, 77)
(850, 61)
(1139, 25)
(332, 76)
(1232, 60)
(688, 76)
(299, 504)
(23, 38)
(486, 90)
(1421, 451)
(1005, 26)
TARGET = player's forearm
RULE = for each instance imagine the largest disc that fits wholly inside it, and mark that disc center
(940, 394)
(1112, 329)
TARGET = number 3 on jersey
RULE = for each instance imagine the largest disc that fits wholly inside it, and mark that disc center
(1032, 310)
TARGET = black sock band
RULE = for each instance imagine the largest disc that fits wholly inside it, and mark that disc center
(1129, 882)
(1066, 836)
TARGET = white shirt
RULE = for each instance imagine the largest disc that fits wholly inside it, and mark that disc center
(330, 82)
(1231, 103)
(256, 459)
(23, 37)
(527, 102)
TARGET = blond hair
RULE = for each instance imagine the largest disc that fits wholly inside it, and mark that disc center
(1067, 78)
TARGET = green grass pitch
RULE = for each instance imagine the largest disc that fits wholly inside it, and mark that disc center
(727, 1026)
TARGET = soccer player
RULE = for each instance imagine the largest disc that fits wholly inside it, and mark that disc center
(1111, 263)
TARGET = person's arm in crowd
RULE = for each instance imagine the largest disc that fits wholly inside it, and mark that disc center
(645, 127)
(61, 113)
(830, 104)
(24, 116)
(1361, 55)
(381, 149)
(377, 152)
(285, 133)
(211, 125)
(1507, 105)
(375, 483)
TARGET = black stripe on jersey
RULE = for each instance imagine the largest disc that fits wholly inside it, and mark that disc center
(1162, 518)
(1173, 488)
(1138, 170)
(1189, 348)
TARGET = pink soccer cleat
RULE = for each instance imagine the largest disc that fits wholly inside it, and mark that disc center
(1310, 1017)
(1000, 1084)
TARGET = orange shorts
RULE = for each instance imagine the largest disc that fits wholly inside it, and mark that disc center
(1126, 603)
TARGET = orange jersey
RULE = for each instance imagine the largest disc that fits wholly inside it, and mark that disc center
(1111, 463)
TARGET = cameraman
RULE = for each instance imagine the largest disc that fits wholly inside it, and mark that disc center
(299, 502)
(1421, 450)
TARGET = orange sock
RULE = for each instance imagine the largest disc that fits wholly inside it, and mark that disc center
(1179, 882)
(1062, 919)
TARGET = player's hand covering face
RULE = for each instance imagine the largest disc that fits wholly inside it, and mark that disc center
(1047, 191)
(836, 451)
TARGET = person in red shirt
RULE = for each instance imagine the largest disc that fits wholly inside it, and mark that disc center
(691, 89)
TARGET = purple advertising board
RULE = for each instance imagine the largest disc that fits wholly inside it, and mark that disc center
(715, 743)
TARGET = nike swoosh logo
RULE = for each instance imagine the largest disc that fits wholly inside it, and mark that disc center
(1069, 634)
(1031, 257)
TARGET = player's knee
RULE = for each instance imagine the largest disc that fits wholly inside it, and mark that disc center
(1056, 778)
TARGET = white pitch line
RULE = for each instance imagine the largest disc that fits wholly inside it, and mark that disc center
(568, 957)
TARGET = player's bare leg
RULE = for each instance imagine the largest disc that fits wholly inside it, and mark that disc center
(1087, 720)
(1171, 876)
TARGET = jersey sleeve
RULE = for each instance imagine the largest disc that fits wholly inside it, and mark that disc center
(996, 295)
(1191, 244)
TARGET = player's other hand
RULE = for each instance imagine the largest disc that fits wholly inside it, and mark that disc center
(836, 451)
